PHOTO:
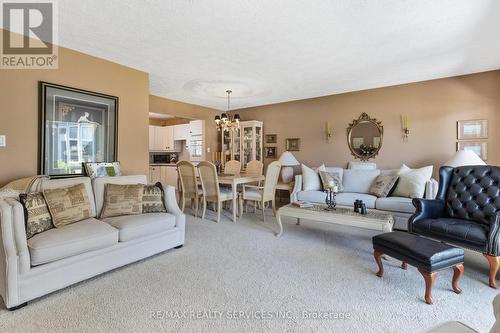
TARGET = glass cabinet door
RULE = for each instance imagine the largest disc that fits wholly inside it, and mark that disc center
(236, 145)
(248, 137)
(258, 143)
(226, 145)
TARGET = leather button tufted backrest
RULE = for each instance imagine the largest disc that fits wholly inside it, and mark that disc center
(474, 193)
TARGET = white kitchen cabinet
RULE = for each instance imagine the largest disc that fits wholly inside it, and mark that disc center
(181, 132)
(196, 127)
(154, 174)
(161, 138)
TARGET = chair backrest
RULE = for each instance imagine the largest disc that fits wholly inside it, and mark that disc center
(254, 168)
(473, 192)
(209, 181)
(187, 176)
(232, 167)
(272, 175)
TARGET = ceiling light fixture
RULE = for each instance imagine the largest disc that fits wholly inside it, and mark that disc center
(225, 121)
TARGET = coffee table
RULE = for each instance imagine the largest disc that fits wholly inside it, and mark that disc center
(373, 220)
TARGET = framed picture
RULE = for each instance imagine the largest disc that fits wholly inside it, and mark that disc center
(479, 147)
(292, 144)
(76, 126)
(472, 129)
(271, 152)
(271, 138)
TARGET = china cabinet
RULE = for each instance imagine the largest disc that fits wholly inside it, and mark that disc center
(243, 144)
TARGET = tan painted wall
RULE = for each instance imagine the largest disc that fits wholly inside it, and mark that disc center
(433, 108)
(184, 110)
(19, 110)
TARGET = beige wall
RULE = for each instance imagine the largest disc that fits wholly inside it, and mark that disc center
(433, 108)
(19, 110)
(184, 110)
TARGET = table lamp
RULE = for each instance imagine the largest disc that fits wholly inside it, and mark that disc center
(287, 161)
(464, 157)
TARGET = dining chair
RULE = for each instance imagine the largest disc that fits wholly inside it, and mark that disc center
(232, 167)
(254, 168)
(211, 190)
(262, 194)
(189, 185)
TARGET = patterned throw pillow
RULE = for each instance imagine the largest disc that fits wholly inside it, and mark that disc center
(36, 213)
(122, 200)
(152, 199)
(102, 169)
(331, 178)
(382, 185)
(68, 205)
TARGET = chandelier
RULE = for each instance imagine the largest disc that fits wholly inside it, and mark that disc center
(225, 121)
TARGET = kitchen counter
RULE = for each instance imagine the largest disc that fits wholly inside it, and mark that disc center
(162, 164)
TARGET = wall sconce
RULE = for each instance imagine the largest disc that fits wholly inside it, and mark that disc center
(405, 125)
(328, 132)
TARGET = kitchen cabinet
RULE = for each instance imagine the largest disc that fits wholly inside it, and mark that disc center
(161, 138)
(181, 132)
(196, 127)
(154, 174)
(196, 140)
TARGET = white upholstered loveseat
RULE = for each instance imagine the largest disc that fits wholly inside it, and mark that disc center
(59, 257)
(356, 184)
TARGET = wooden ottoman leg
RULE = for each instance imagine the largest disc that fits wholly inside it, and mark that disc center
(429, 279)
(494, 266)
(404, 265)
(458, 270)
(378, 258)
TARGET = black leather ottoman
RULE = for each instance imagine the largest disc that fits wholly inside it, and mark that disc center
(426, 255)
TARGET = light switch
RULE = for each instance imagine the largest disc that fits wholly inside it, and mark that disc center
(3, 141)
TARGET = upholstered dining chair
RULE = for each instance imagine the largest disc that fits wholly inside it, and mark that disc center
(211, 190)
(189, 185)
(232, 167)
(262, 194)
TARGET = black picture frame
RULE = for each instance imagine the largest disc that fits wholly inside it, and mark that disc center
(62, 109)
(271, 152)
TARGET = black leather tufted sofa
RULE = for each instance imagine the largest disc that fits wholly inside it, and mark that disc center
(466, 212)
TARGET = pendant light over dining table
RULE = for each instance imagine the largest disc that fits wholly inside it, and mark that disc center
(225, 121)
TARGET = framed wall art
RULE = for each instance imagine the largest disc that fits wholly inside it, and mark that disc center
(292, 144)
(472, 129)
(479, 147)
(271, 152)
(271, 138)
(76, 126)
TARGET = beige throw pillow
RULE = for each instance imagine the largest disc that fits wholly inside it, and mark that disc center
(152, 199)
(330, 178)
(122, 200)
(36, 213)
(383, 185)
(310, 178)
(411, 183)
(68, 205)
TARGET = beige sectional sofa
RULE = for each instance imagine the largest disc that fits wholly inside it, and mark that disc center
(356, 185)
(59, 257)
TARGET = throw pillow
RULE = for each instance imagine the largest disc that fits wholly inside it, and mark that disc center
(359, 181)
(362, 165)
(329, 179)
(36, 213)
(68, 205)
(122, 200)
(152, 199)
(383, 185)
(310, 178)
(104, 169)
(411, 183)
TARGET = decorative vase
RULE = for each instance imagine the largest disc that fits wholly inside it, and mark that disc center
(330, 201)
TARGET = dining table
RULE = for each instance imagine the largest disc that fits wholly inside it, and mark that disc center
(235, 180)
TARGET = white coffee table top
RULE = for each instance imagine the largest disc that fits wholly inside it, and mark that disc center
(373, 220)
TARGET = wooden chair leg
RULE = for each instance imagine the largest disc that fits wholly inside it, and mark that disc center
(263, 211)
(458, 271)
(204, 209)
(494, 266)
(429, 279)
(273, 203)
(219, 208)
(196, 202)
(378, 258)
(404, 265)
(183, 203)
(240, 206)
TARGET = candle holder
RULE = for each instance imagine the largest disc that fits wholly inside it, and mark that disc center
(330, 201)
(406, 134)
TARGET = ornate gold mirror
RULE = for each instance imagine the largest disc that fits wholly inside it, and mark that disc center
(364, 137)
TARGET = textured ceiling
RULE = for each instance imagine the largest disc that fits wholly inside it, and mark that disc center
(270, 51)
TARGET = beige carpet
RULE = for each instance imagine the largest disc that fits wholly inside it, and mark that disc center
(235, 270)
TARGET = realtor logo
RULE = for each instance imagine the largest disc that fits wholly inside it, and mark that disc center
(29, 35)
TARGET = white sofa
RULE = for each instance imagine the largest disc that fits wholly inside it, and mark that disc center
(356, 183)
(63, 256)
